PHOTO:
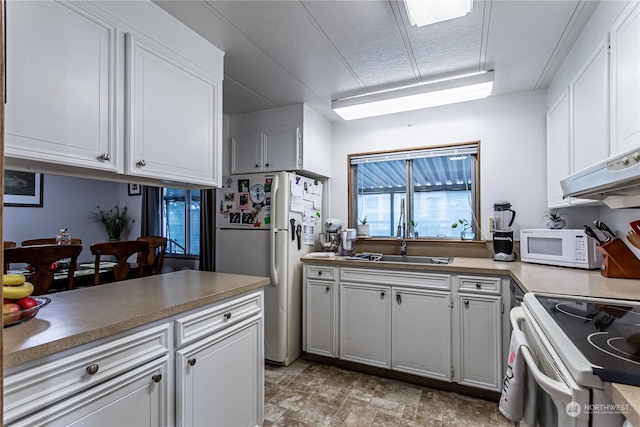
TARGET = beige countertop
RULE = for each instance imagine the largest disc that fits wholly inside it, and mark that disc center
(536, 278)
(83, 315)
(530, 277)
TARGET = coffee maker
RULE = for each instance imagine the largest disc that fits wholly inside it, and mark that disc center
(503, 217)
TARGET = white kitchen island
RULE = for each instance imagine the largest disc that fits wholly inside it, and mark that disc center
(180, 348)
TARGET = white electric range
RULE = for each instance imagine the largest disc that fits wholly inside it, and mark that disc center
(575, 344)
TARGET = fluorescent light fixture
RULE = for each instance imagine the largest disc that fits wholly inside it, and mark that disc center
(415, 97)
(425, 12)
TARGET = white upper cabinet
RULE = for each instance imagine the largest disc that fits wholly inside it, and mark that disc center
(174, 107)
(589, 106)
(625, 80)
(75, 69)
(292, 138)
(61, 85)
(558, 150)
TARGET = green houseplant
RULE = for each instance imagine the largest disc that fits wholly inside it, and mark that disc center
(115, 220)
(554, 219)
(467, 231)
(362, 229)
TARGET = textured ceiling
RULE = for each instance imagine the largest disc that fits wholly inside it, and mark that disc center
(284, 52)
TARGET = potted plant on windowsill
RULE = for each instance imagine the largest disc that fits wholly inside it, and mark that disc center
(115, 220)
(554, 219)
(467, 231)
(362, 229)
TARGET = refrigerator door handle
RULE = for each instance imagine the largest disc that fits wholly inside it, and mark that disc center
(275, 189)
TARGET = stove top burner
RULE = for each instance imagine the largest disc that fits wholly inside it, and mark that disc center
(607, 334)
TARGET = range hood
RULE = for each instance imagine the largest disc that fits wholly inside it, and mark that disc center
(615, 181)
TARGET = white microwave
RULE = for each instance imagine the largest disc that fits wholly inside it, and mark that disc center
(565, 248)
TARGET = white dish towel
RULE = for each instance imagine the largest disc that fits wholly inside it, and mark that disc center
(513, 385)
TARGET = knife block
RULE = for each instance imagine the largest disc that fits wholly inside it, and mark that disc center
(618, 260)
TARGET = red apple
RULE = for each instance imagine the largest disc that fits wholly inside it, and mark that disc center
(26, 303)
(11, 313)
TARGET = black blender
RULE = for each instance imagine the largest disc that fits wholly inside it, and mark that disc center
(503, 217)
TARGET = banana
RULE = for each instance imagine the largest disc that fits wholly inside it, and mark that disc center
(17, 292)
(13, 279)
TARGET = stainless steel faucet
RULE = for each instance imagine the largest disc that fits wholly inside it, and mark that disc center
(402, 229)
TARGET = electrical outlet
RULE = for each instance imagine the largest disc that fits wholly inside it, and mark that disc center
(492, 224)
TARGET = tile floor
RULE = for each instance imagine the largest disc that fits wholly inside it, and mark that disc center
(312, 394)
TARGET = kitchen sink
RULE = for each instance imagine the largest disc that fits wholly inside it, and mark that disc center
(401, 258)
(416, 259)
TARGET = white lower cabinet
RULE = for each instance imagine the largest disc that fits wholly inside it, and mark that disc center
(365, 324)
(410, 321)
(421, 332)
(220, 364)
(203, 367)
(219, 378)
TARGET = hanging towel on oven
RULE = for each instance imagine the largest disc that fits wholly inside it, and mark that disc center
(512, 399)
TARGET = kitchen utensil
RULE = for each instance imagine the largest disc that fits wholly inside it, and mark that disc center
(299, 235)
(292, 221)
(633, 238)
(635, 225)
(610, 235)
(592, 234)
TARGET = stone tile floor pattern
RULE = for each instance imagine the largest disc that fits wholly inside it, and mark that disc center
(312, 394)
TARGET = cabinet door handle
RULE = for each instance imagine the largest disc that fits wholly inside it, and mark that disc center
(141, 163)
(478, 285)
(382, 294)
(227, 316)
(266, 165)
(105, 156)
(191, 361)
(92, 369)
(466, 303)
(156, 378)
(319, 273)
(257, 165)
(327, 289)
(399, 299)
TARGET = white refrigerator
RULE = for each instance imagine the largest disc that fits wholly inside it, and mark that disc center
(265, 223)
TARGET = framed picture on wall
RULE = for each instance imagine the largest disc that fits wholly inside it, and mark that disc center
(135, 189)
(23, 189)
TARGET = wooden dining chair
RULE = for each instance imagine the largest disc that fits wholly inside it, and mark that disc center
(121, 250)
(47, 241)
(155, 257)
(8, 244)
(40, 259)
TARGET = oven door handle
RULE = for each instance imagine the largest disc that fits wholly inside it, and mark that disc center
(552, 387)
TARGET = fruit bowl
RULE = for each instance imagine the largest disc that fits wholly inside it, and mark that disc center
(11, 319)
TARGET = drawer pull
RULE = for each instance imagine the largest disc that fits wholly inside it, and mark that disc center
(105, 156)
(141, 163)
(156, 378)
(478, 285)
(227, 315)
(466, 303)
(319, 273)
(382, 294)
(399, 299)
(191, 362)
(92, 369)
(327, 289)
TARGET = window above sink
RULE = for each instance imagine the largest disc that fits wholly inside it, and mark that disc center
(439, 184)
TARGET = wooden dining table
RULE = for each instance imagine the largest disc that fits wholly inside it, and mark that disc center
(83, 275)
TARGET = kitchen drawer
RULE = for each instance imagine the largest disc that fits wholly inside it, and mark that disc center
(210, 320)
(321, 272)
(396, 277)
(41, 384)
(483, 284)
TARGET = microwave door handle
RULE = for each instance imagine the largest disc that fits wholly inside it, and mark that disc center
(554, 388)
